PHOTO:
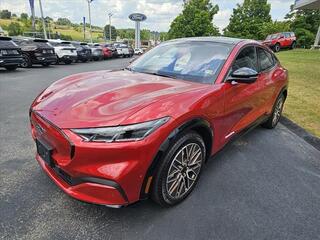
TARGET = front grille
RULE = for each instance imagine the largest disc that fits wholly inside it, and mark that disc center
(63, 148)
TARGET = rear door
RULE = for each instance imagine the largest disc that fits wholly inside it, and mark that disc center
(270, 76)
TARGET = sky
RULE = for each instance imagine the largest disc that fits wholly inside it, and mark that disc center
(159, 13)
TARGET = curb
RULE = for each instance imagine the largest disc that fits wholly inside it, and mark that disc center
(301, 132)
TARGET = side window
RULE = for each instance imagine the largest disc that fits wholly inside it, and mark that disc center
(287, 35)
(246, 58)
(265, 59)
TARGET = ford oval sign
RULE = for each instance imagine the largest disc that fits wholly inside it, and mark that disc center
(137, 17)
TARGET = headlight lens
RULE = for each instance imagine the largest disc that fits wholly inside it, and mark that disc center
(134, 132)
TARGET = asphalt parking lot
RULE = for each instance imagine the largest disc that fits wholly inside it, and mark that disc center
(266, 185)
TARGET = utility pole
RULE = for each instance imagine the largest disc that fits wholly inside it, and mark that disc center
(110, 15)
(32, 16)
(89, 9)
(84, 28)
(49, 29)
(43, 22)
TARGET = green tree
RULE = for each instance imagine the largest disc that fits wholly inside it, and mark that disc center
(305, 24)
(248, 19)
(24, 16)
(5, 14)
(195, 20)
(145, 34)
(126, 33)
(63, 21)
(14, 29)
(107, 32)
(164, 36)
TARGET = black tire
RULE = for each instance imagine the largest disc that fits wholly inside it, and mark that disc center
(11, 67)
(45, 64)
(293, 45)
(67, 62)
(26, 61)
(277, 47)
(274, 118)
(84, 60)
(161, 191)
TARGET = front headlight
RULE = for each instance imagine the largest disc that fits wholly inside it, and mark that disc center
(134, 132)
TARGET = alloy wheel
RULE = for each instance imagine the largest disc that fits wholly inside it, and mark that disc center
(24, 63)
(184, 170)
(277, 111)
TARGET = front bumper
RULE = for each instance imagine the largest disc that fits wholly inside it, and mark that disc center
(111, 174)
(87, 189)
(9, 61)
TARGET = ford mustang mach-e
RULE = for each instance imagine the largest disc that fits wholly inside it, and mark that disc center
(115, 137)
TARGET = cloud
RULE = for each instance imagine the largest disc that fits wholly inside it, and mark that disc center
(160, 13)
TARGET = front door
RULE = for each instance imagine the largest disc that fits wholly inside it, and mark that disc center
(243, 102)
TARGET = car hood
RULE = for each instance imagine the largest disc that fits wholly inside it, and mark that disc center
(105, 98)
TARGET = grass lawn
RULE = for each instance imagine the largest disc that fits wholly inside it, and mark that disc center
(77, 35)
(303, 102)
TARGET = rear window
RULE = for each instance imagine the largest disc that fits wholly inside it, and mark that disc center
(40, 44)
(7, 44)
(287, 35)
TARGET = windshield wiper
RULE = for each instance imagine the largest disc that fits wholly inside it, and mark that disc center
(162, 75)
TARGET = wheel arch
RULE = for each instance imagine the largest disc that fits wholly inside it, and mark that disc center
(199, 125)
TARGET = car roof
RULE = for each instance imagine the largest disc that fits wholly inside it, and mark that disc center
(227, 40)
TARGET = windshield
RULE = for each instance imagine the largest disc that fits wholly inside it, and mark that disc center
(272, 36)
(195, 61)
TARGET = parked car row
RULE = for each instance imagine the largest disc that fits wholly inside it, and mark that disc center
(25, 52)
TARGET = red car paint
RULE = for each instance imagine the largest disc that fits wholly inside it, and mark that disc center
(107, 53)
(283, 40)
(112, 98)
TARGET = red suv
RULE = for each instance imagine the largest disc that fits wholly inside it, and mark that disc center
(115, 137)
(278, 41)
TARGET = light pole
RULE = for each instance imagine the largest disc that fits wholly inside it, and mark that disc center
(43, 23)
(89, 9)
(110, 15)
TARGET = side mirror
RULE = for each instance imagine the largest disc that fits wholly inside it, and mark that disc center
(244, 75)
(281, 37)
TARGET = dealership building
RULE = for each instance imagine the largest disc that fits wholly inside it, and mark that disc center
(310, 4)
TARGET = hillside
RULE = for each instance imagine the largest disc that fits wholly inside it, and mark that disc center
(75, 31)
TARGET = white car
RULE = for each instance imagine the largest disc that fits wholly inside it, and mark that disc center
(138, 51)
(123, 50)
(64, 50)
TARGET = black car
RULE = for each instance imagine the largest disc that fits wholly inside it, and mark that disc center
(36, 51)
(10, 54)
(83, 51)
